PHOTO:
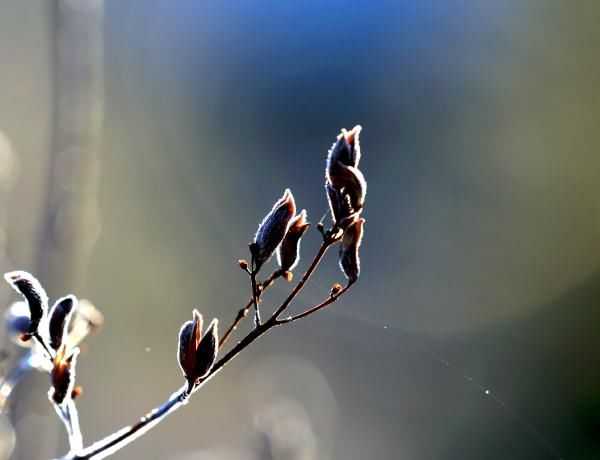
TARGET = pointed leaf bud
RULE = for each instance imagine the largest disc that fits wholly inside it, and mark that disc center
(206, 354)
(335, 202)
(59, 315)
(243, 263)
(350, 180)
(335, 289)
(33, 292)
(189, 338)
(288, 252)
(63, 374)
(272, 229)
(349, 259)
(346, 149)
(341, 208)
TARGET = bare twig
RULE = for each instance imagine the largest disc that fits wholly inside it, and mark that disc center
(123, 437)
(68, 411)
(70, 418)
(254, 293)
(198, 351)
(316, 308)
(243, 312)
(327, 242)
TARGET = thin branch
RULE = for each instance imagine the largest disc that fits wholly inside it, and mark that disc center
(70, 418)
(316, 308)
(123, 437)
(36, 336)
(254, 291)
(262, 287)
(327, 242)
(68, 413)
(238, 318)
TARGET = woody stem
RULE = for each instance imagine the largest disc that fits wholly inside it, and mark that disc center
(126, 435)
(243, 312)
(253, 273)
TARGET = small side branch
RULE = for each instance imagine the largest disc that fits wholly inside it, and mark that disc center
(316, 308)
(123, 437)
(327, 242)
(243, 312)
(253, 274)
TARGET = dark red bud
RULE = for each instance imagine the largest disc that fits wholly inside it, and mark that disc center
(272, 229)
(335, 289)
(63, 374)
(189, 338)
(346, 149)
(349, 258)
(59, 315)
(33, 292)
(206, 354)
(288, 252)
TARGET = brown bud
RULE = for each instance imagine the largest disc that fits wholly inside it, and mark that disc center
(206, 354)
(349, 259)
(341, 208)
(348, 180)
(288, 276)
(33, 292)
(243, 263)
(197, 352)
(345, 184)
(346, 149)
(288, 252)
(76, 393)
(335, 289)
(59, 316)
(189, 338)
(63, 374)
(272, 229)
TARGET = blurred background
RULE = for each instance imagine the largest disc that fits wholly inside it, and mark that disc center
(142, 142)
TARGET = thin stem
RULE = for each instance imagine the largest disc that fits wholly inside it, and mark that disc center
(123, 437)
(316, 308)
(70, 418)
(42, 342)
(238, 318)
(327, 242)
(255, 292)
(243, 312)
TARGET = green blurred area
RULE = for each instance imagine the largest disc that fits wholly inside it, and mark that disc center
(481, 258)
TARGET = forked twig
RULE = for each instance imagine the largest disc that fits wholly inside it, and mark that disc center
(280, 232)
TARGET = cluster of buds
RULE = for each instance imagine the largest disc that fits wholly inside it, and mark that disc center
(55, 334)
(197, 352)
(346, 189)
(280, 232)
